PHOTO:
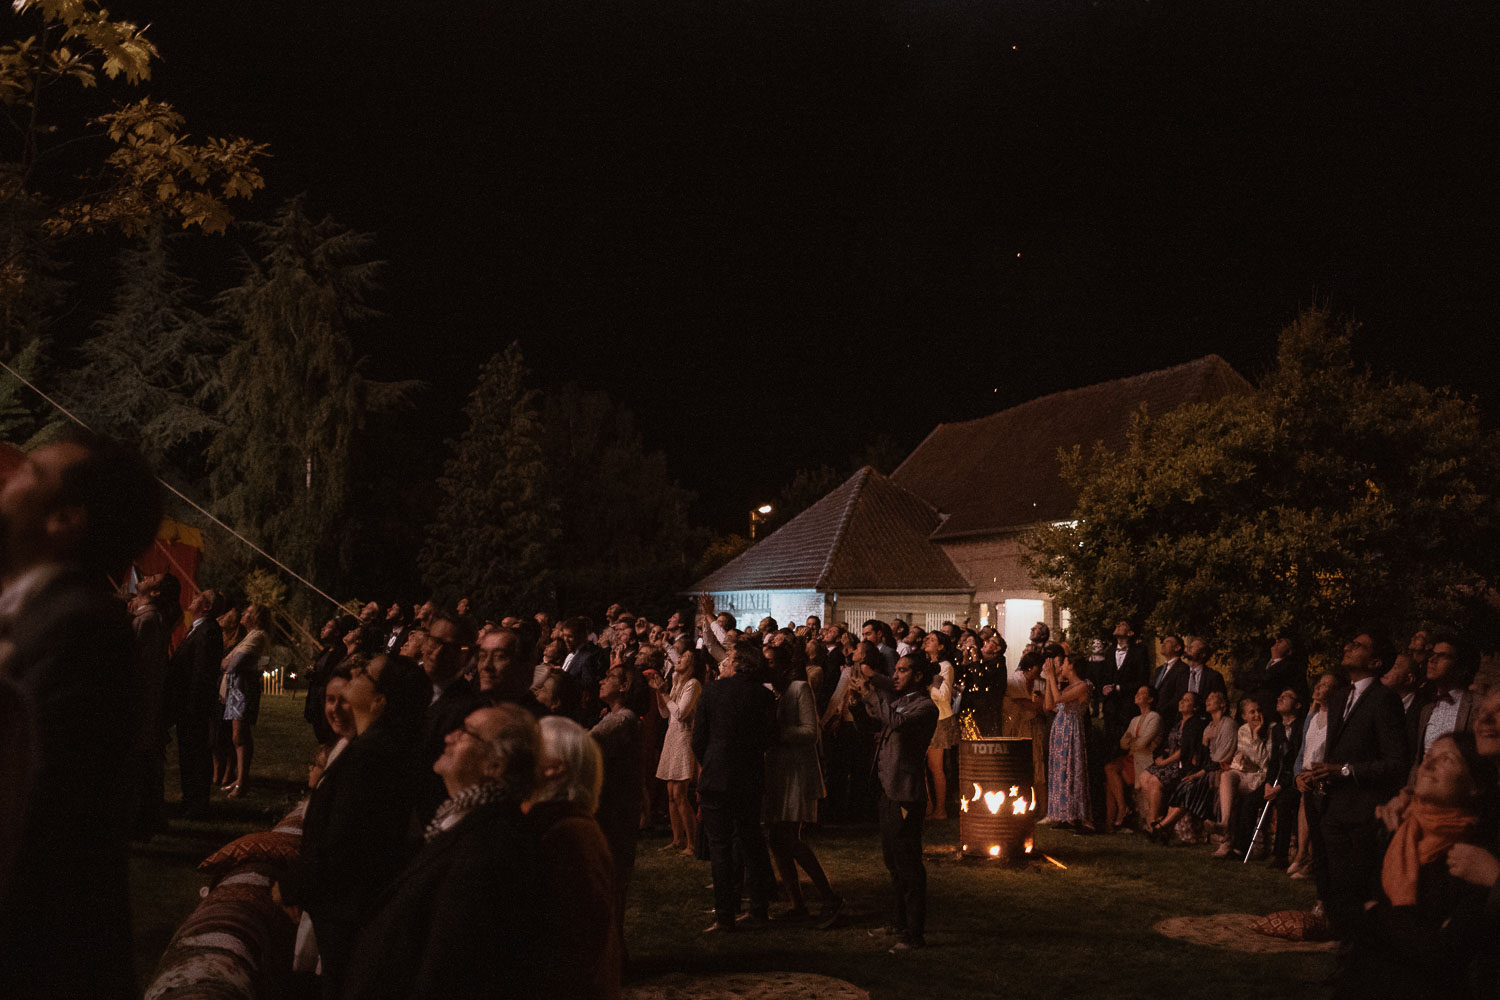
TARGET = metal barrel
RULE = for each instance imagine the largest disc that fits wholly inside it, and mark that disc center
(997, 804)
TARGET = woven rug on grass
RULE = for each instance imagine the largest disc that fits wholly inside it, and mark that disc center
(744, 986)
(1232, 932)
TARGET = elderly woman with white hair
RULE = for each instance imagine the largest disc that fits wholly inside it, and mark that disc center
(577, 871)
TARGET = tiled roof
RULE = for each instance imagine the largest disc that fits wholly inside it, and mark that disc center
(869, 534)
(1001, 472)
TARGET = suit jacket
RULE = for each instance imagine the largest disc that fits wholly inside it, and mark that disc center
(1176, 684)
(1372, 741)
(65, 911)
(195, 672)
(734, 724)
(1281, 768)
(1127, 678)
(587, 668)
(356, 832)
(907, 722)
(1421, 714)
(460, 920)
(443, 716)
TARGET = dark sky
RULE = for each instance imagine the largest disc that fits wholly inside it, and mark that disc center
(778, 229)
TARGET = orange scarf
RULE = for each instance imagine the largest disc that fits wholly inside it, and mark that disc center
(1425, 835)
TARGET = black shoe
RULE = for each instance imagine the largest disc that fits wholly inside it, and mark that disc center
(907, 944)
(889, 930)
(753, 919)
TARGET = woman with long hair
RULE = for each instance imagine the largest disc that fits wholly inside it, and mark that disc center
(794, 784)
(938, 649)
(1067, 752)
(1184, 743)
(1139, 743)
(1246, 771)
(677, 766)
(242, 693)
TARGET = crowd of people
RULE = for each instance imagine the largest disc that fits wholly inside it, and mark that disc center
(484, 780)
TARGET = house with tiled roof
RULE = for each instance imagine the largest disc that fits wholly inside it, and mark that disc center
(997, 477)
(941, 538)
(860, 552)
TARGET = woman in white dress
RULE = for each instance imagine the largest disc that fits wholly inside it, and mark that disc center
(677, 767)
(794, 784)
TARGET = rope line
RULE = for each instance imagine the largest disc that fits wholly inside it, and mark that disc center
(182, 496)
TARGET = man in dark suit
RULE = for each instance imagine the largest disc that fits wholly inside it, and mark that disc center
(73, 513)
(453, 697)
(907, 717)
(1171, 660)
(1280, 788)
(1365, 763)
(1287, 668)
(585, 663)
(461, 920)
(195, 680)
(1123, 673)
(735, 725)
(1194, 675)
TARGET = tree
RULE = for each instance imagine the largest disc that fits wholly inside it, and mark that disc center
(293, 401)
(1324, 500)
(146, 373)
(85, 154)
(24, 419)
(626, 534)
(497, 519)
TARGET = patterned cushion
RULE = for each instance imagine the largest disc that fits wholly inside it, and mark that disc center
(1294, 925)
(270, 847)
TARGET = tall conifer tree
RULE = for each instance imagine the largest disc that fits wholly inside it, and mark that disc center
(293, 399)
(146, 372)
(497, 521)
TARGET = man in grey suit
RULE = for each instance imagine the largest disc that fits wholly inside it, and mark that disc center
(907, 717)
(74, 512)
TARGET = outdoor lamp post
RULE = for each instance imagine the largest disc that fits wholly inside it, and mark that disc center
(758, 516)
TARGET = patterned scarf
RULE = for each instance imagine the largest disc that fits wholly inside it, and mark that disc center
(465, 802)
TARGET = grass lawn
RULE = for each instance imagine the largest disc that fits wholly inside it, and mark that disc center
(992, 932)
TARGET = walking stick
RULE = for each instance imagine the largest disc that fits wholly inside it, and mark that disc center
(1260, 823)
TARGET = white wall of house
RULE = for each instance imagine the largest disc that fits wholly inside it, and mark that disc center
(926, 610)
(786, 606)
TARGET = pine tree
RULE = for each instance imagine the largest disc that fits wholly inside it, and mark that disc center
(293, 401)
(496, 523)
(145, 374)
(626, 535)
(25, 419)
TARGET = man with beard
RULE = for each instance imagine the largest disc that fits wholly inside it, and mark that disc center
(73, 513)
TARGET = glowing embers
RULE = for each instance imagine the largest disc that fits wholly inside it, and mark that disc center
(997, 805)
(1019, 805)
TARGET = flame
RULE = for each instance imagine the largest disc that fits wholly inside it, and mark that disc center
(1020, 807)
(963, 805)
(994, 800)
(994, 850)
(1029, 843)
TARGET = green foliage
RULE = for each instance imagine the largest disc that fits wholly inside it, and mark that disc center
(719, 550)
(626, 535)
(145, 374)
(293, 403)
(25, 419)
(1326, 499)
(497, 519)
(146, 167)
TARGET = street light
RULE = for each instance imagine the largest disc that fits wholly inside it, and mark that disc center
(758, 516)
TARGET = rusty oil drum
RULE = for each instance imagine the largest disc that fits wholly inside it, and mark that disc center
(997, 804)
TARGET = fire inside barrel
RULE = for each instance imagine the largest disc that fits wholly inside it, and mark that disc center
(997, 805)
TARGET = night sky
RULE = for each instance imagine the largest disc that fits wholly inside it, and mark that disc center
(777, 230)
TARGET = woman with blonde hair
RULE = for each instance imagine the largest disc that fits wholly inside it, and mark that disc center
(242, 686)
